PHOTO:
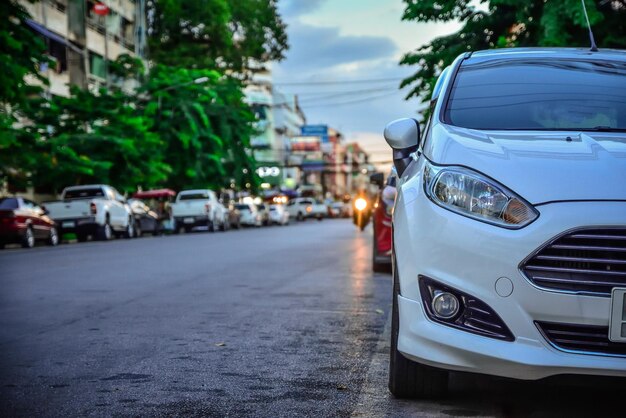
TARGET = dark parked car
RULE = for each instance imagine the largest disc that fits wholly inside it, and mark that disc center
(146, 220)
(24, 221)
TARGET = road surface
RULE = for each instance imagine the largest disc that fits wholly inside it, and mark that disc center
(279, 321)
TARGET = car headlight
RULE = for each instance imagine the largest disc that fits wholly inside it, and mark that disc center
(471, 194)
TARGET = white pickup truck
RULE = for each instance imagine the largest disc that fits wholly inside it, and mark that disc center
(96, 209)
(302, 208)
(198, 208)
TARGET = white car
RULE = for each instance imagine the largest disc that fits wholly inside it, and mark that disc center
(279, 215)
(510, 221)
(201, 207)
(249, 215)
(302, 208)
(96, 209)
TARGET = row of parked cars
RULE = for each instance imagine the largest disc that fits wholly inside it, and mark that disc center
(99, 211)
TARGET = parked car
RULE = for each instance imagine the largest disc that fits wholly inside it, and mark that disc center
(339, 210)
(159, 201)
(510, 221)
(96, 209)
(302, 208)
(279, 215)
(264, 212)
(24, 221)
(146, 220)
(249, 215)
(381, 222)
(194, 208)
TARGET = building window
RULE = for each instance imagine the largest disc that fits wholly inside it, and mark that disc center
(96, 65)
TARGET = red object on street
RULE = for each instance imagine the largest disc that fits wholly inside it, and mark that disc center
(101, 9)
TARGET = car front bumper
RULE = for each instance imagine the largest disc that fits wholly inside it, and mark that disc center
(471, 256)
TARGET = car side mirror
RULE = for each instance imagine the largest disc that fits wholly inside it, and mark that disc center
(403, 136)
(378, 179)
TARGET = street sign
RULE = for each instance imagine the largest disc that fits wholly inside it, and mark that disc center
(101, 9)
(315, 130)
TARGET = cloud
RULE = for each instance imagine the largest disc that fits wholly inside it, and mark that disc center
(316, 48)
(294, 8)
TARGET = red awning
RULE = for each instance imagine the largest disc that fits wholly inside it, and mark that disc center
(154, 194)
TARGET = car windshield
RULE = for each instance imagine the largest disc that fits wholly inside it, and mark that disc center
(8, 203)
(83, 193)
(193, 196)
(539, 94)
(242, 207)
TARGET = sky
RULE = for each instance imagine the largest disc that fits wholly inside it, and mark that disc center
(348, 41)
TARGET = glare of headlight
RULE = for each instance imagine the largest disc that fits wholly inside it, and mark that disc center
(360, 203)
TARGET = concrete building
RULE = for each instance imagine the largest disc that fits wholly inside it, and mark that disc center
(75, 38)
(279, 119)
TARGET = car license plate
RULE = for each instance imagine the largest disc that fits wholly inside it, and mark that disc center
(189, 220)
(617, 324)
(68, 224)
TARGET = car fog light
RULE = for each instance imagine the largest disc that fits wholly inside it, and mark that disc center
(453, 308)
(445, 305)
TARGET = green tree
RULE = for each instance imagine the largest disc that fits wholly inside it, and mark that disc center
(205, 126)
(21, 54)
(94, 138)
(227, 34)
(507, 23)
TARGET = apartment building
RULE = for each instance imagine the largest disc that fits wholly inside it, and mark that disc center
(75, 38)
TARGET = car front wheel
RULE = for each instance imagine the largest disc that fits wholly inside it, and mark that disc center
(408, 379)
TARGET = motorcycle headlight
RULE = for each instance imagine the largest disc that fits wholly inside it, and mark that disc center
(471, 194)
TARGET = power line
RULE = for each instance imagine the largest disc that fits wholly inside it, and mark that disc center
(352, 93)
(365, 99)
(353, 81)
(315, 94)
(331, 104)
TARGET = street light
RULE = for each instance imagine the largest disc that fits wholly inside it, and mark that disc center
(199, 80)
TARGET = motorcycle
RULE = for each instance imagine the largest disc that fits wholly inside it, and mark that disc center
(362, 212)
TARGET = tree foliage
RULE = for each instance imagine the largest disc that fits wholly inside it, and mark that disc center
(182, 123)
(21, 53)
(205, 127)
(507, 23)
(226, 34)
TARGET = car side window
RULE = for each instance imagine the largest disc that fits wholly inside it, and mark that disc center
(118, 196)
(28, 204)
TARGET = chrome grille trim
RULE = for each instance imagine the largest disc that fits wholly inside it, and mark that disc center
(590, 260)
(581, 339)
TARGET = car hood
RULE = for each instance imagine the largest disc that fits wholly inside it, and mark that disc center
(540, 166)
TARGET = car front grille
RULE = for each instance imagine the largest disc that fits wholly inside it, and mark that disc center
(585, 339)
(591, 261)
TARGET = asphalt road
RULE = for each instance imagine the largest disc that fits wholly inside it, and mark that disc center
(280, 321)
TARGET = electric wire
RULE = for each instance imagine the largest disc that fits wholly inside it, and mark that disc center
(353, 81)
